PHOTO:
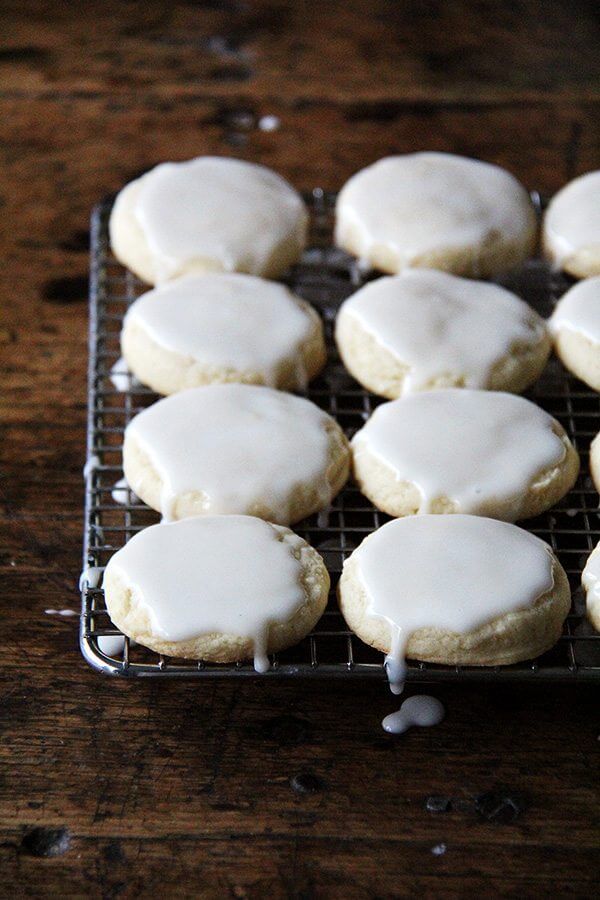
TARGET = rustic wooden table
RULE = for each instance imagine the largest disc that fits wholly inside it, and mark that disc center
(258, 789)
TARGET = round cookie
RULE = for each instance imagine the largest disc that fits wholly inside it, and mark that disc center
(590, 580)
(218, 588)
(571, 227)
(575, 328)
(235, 448)
(484, 453)
(458, 590)
(423, 330)
(595, 461)
(209, 214)
(203, 329)
(436, 211)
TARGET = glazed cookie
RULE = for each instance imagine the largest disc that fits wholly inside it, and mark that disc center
(209, 214)
(590, 580)
(575, 328)
(595, 462)
(202, 329)
(458, 590)
(235, 448)
(423, 329)
(571, 228)
(218, 588)
(460, 451)
(436, 211)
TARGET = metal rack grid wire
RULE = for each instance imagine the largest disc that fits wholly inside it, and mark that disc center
(325, 277)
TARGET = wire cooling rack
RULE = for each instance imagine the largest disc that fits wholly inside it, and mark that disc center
(324, 277)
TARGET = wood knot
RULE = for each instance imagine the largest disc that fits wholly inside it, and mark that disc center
(46, 841)
(288, 730)
(306, 783)
(499, 807)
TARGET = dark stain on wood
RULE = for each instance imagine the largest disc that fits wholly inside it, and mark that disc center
(287, 730)
(25, 55)
(230, 73)
(66, 290)
(76, 242)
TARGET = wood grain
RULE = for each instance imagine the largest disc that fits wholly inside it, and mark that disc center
(257, 789)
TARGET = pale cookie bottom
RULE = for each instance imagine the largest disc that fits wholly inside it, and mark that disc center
(592, 599)
(167, 371)
(379, 482)
(510, 638)
(595, 462)
(133, 620)
(129, 245)
(380, 371)
(484, 260)
(579, 354)
(581, 263)
(305, 497)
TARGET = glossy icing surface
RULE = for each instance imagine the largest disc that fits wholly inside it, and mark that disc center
(590, 580)
(422, 202)
(572, 220)
(227, 321)
(224, 214)
(240, 446)
(438, 324)
(454, 573)
(228, 575)
(473, 447)
(579, 309)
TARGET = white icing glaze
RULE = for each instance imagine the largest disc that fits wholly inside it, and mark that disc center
(572, 220)
(590, 579)
(579, 309)
(91, 465)
(90, 576)
(239, 445)
(111, 644)
(224, 214)
(422, 202)
(120, 492)
(227, 321)
(229, 575)
(421, 710)
(121, 378)
(454, 573)
(438, 324)
(473, 447)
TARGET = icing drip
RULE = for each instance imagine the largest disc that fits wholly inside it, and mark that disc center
(421, 710)
(213, 213)
(579, 309)
(227, 322)
(472, 447)
(420, 203)
(442, 326)
(572, 221)
(434, 572)
(90, 466)
(90, 576)
(229, 575)
(120, 376)
(121, 493)
(111, 644)
(239, 447)
(590, 580)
